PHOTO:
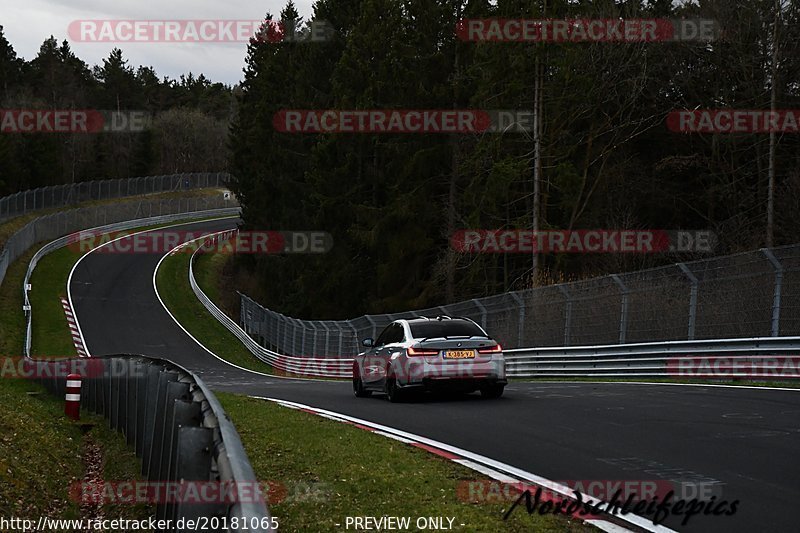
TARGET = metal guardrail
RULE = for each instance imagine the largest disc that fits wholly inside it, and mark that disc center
(177, 427)
(755, 358)
(298, 366)
(119, 226)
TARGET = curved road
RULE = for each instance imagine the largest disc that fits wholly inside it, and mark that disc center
(742, 442)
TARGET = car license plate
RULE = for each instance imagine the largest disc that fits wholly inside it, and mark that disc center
(459, 354)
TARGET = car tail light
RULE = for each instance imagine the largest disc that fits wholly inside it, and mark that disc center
(416, 352)
(493, 349)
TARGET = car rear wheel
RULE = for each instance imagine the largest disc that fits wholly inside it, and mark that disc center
(393, 392)
(492, 391)
(358, 385)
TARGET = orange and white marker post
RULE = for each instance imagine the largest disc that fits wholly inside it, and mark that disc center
(72, 399)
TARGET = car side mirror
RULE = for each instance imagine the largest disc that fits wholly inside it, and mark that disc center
(369, 342)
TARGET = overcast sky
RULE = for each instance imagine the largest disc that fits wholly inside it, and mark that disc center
(27, 23)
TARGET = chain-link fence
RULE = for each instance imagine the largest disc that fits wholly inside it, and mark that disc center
(50, 227)
(754, 294)
(71, 194)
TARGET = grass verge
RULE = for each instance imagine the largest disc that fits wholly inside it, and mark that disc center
(42, 456)
(50, 335)
(173, 286)
(330, 471)
(41, 453)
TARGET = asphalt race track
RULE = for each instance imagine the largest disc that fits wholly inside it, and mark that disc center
(742, 441)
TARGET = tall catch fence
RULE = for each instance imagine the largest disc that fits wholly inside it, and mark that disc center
(71, 194)
(753, 294)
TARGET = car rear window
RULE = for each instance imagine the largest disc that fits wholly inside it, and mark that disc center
(445, 328)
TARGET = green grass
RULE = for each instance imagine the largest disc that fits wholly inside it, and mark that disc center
(207, 271)
(41, 456)
(173, 286)
(12, 319)
(50, 334)
(40, 453)
(330, 471)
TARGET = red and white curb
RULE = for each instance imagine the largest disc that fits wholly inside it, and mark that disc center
(73, 329)
(484, 465)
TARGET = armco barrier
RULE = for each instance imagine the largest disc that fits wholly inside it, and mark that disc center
(179, 430)
(119, 226)
(299, 366)
(765, 358)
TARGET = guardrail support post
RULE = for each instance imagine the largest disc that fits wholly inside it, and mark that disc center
(176, 390)
(132, 375)
(184, 413)
(623, 314)
(144, 419)
(193, 464)
(156, 430)
(692, 300)
(776, 297)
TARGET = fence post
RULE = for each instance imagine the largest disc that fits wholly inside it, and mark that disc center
(341, 339)
(374, 327)
(314, 342)
(294, 337)
(482, 308)
(692, 299)
(193, 464)
(281, 331)
(357, 348)
(327, 351)
(623, 314)
(567, 313)
(521, 324)
(776, 296)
